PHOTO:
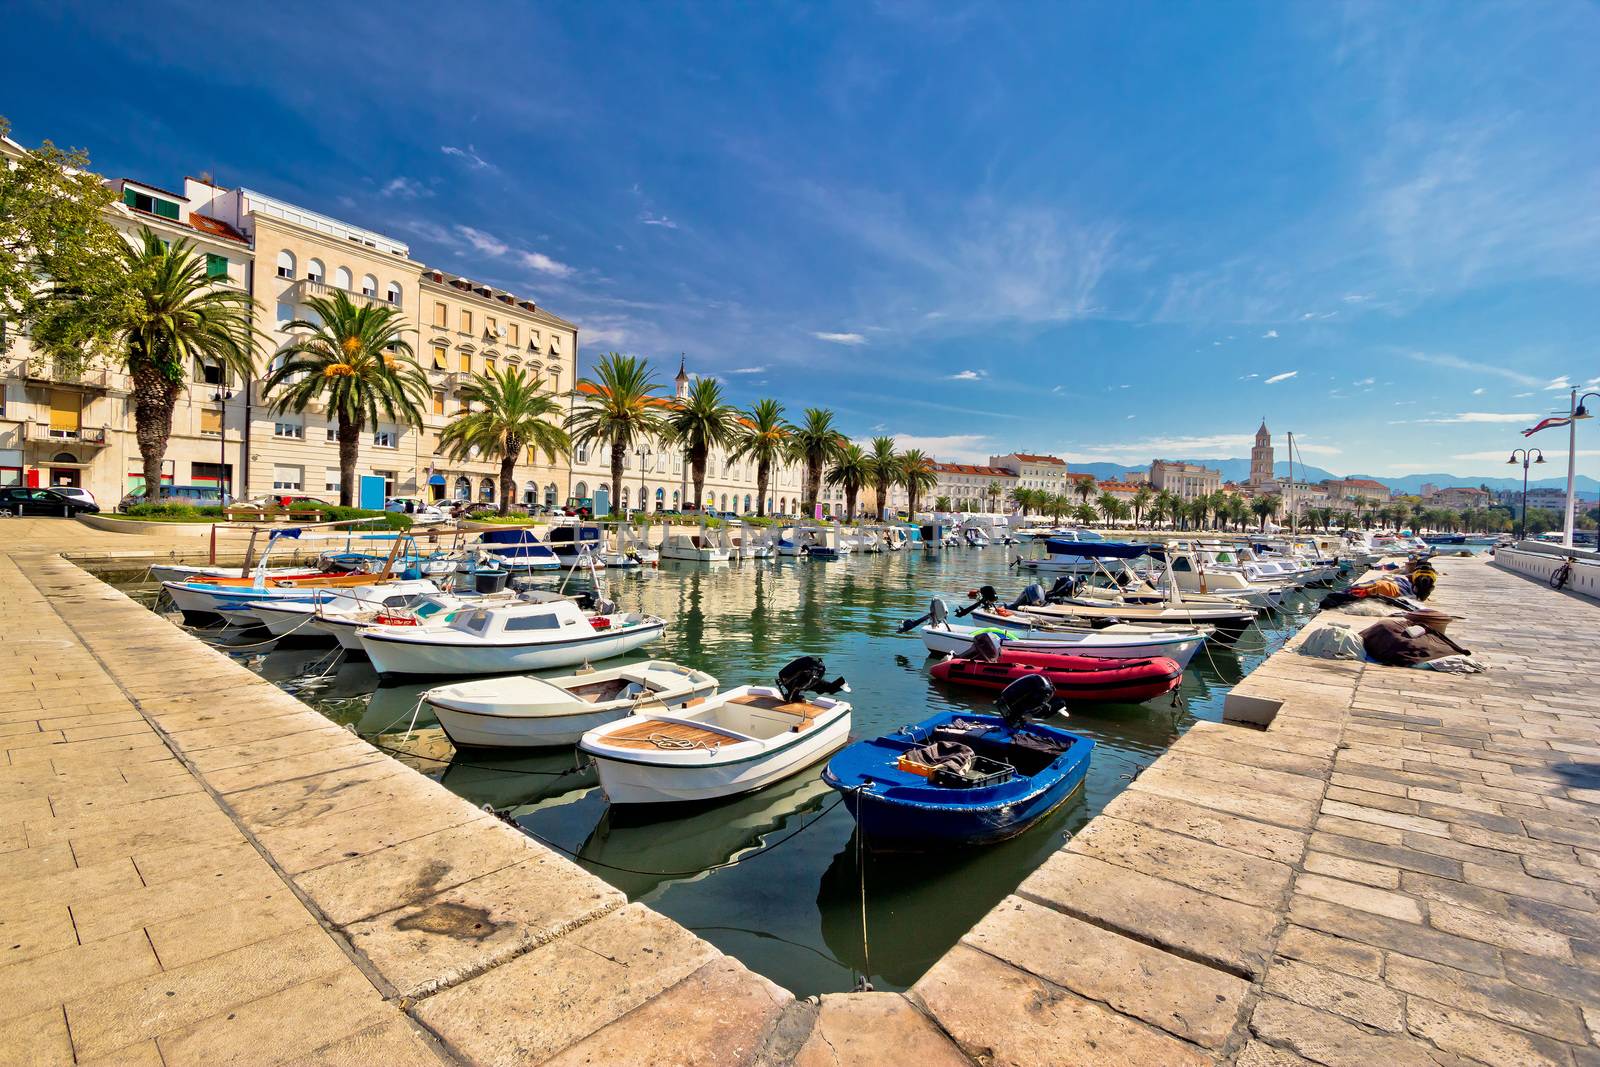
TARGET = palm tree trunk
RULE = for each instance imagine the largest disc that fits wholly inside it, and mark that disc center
(508, 467)
(697, 472)
(349, 449)
(154, 398)
(761, 488)
(618, 454)
(850, 504)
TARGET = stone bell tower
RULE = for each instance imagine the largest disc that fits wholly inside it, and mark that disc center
(682, 380)
(1261, 457)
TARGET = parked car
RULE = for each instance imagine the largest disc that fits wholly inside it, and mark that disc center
(198, 495)
(22, 500)
(73, 492)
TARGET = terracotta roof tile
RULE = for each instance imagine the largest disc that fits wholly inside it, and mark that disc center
(1026, 458)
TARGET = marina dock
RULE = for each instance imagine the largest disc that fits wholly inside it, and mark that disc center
(1399, 866)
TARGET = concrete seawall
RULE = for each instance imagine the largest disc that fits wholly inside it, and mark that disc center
(1401, 866)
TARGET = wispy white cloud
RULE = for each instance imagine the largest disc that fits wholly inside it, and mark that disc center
(1198, 446)
(487, 243)
(1276, 378)
(953, 448)
(1480, 390)
(544, 264)
(402, 188)
(1501, 455)
(1561, 384)
(1247, 377)
(748, 370)
(840, 338)
(1312, 315)
(967, 376)
(1270, 334)
(1450, 362)
(1482, 417)
(468, 155)
(1366, 381)
(657, 220)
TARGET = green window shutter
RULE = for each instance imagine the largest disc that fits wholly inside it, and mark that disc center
(166, 209)
(216, 266)
(129, 197)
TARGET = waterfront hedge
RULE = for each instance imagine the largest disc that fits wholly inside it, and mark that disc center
(167, 511)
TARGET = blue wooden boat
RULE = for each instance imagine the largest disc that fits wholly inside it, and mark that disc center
(962, 779)
(518, 549)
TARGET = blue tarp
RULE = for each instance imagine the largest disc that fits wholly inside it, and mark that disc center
(1102, 549)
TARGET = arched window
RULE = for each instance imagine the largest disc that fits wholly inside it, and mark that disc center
(315, 272)
(675, 503)
(393, 294)
(623, 501)
(580, 490)
(747, 503)
(369, 285)
(486, 490)
(530, 493)
(550, 495)
(463, 489)
(783, 505)
(724, 501)
(286, 264)
(341, 278)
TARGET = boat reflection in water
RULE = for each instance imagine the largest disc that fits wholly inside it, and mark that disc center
(919, 904)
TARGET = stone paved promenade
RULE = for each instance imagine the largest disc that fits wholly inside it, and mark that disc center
(196, 868)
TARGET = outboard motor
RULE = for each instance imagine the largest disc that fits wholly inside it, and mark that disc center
(804, 675)
(1066, 587)
(985, 648)
(1032, 596)
(938, 612)
(1029, 697)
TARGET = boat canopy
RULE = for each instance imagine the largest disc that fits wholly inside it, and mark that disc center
(1101, 549)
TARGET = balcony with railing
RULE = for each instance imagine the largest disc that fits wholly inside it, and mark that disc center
(45, 433)
(97, 379)
(306, 288)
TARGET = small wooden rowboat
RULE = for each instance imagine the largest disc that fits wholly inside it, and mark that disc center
(1077, 679)
(733, 743)
(527, 712)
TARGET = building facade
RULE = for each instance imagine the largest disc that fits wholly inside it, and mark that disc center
(1184, 480)
(1362, 489)
(972, 487)
(60, 428)
(1035, 472)
(1461, 497)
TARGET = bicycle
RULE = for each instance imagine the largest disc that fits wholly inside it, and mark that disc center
(1563, 573)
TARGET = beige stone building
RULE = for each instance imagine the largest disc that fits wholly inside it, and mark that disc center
(78, 429)
(1345, 489)
(973, 487)
(1184, 480)
(1035, 472)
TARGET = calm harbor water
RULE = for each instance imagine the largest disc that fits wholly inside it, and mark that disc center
(772, 878)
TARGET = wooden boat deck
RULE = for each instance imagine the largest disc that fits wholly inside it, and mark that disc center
(647, 732)
(807, 713)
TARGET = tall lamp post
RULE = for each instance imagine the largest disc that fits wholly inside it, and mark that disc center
(222, 396)
(1528, 455)
(644, 454)
(1578, 412)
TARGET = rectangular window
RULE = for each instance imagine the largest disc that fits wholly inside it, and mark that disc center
(390, 482)
(216, 266)
(438, 403)
(386, 439)
(581, 453)
(285, 314)
(332, 432)
(465, 325)
(211, 422)
(441, 314)
(65, 413)
(293, 430)
(491, 326)
(466, 363)
(440, 357)
(153, 205)
(488, 364)
(511, 333)
(207, 372)
(330, 479)
(288, 477)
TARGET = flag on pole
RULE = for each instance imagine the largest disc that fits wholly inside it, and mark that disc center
(1554, 420)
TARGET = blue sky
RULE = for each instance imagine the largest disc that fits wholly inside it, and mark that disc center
(1107, 231)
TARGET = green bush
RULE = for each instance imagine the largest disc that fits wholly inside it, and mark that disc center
(173, 512)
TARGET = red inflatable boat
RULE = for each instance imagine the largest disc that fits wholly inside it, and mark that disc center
(1078, 679)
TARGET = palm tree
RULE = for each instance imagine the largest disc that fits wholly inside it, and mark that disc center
(1238, 511)
(1264, 506)
(1141, 502)
(1176, 509)
(815, 443)
(764, 437)
(917, 475)
(1084, 513)
(1056, 505)
(699, 422)
(620, 408)
(941, 503)
(885, 469)
(994, 493)
(852, 470)
(159, 312)
(505, 413)
(1083, 488)
(1107, 504)
(353, 360)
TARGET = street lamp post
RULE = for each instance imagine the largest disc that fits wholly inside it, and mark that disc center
(1578, 412)
(1528, 455)
(222, 396)
(644, 454)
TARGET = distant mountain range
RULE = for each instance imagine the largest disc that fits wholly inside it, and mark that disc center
(1238, 470)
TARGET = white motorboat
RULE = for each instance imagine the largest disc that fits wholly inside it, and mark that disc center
(709, 545)
(748, 542)
(1067, 552)
(304, 618)
(236, 602)
(736, 742)
(578, 544)
(429, 611)
(521, 711)
(1175, 644)
(183, 572)
(501, 638)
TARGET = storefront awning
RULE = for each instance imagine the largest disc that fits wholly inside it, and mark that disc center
(436, 479)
